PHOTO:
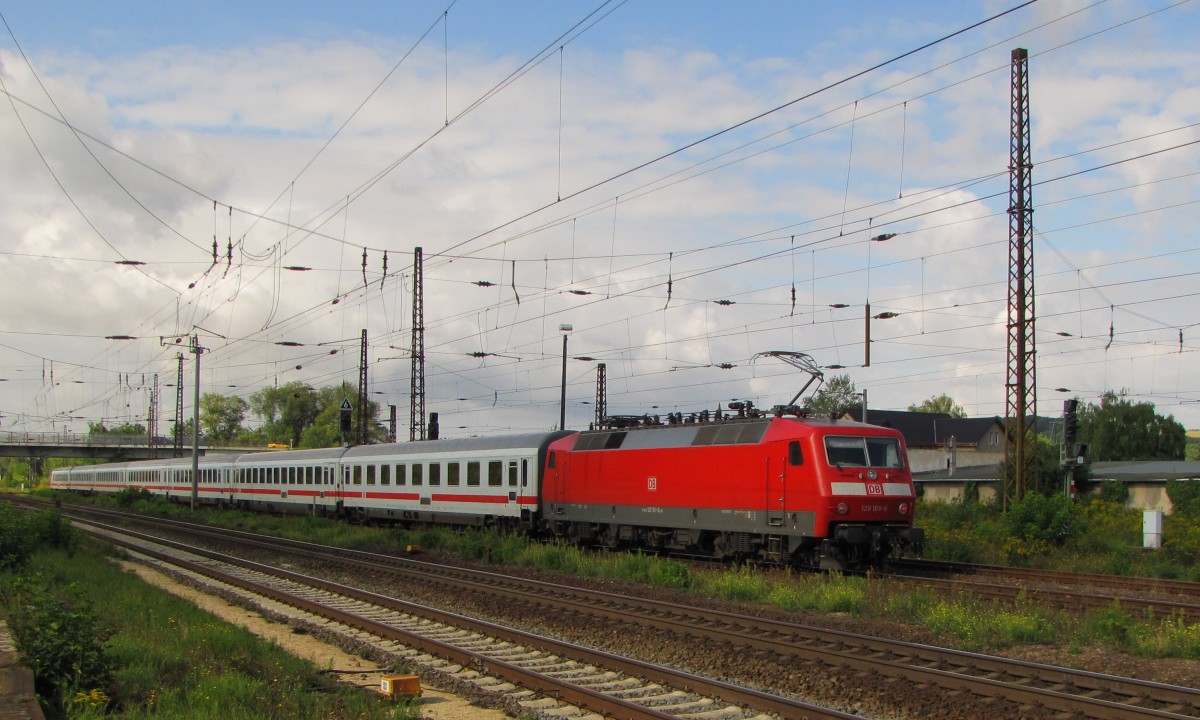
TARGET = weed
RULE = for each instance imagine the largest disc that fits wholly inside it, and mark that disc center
(742, 583)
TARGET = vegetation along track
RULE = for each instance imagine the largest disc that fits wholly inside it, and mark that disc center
(1155, 597)
(897, 669)
(603, 683)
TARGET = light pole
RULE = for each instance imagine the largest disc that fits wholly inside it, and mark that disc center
(565, 328)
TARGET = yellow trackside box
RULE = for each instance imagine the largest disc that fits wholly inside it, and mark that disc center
(400, 686)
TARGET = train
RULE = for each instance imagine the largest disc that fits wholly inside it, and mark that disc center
(798, 491)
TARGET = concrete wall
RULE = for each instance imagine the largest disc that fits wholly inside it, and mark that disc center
(934, 459)
(1143, 495)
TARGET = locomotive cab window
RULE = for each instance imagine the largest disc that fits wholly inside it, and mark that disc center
(846, 451)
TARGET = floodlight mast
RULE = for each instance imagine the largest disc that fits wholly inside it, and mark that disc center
(802, 362)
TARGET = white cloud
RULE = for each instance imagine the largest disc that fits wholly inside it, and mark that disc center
(240, 124)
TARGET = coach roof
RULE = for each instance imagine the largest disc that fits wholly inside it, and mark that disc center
(523, 441)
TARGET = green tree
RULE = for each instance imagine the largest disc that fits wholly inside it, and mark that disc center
(286, 411)
(99, 428)
(1119, 429)
(303, 417)
(16, 471)
(834, 399)
(325, 430)
(221, 416)
(185, 432)
(940, 404)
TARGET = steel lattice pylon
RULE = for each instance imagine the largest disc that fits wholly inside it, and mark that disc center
(361, 434)
(1021, 383)
(152, 417)
(178, 452)
(601, 394)
(416, 404)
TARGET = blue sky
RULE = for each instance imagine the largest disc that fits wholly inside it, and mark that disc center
(546, 190)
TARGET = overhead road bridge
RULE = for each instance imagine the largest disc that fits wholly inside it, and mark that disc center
(101, 445)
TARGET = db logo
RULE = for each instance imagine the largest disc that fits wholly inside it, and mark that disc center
(874, 489)
(651, 484)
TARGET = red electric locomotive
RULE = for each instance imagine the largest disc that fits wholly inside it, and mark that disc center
(809, 493)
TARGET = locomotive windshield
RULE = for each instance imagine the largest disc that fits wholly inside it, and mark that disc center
(847, 451)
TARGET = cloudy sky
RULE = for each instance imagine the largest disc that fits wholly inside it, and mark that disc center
(687, 184)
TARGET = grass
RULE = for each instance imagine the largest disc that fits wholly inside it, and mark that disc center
(173, 660)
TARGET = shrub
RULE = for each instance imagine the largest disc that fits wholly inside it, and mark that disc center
(1185, 497)
(842, 594)
(130, 497)
(740, 584)
(671, 574)
(1111, 626)
(1050, 519)
(60, 639)
(1112, 491)
(1181, 539)
(23, 532)
(15, 543)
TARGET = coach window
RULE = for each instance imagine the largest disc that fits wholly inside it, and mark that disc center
(401, 479)
(795, 457)
(385, 474)
(452, 470)
(495, 472)
(309, 472)
(370, 474)
(435, 474)
(473, 474)
(358, 473)
(524, 473)
(417, 471)
(512, 473)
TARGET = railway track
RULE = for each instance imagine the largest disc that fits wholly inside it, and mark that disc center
(1156, 597)
(537, 673)
(1164, 586)
(1006, 687)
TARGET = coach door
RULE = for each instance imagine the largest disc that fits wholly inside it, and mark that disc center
(557, 479)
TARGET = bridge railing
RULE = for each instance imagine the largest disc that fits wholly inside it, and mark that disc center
(83, 439)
